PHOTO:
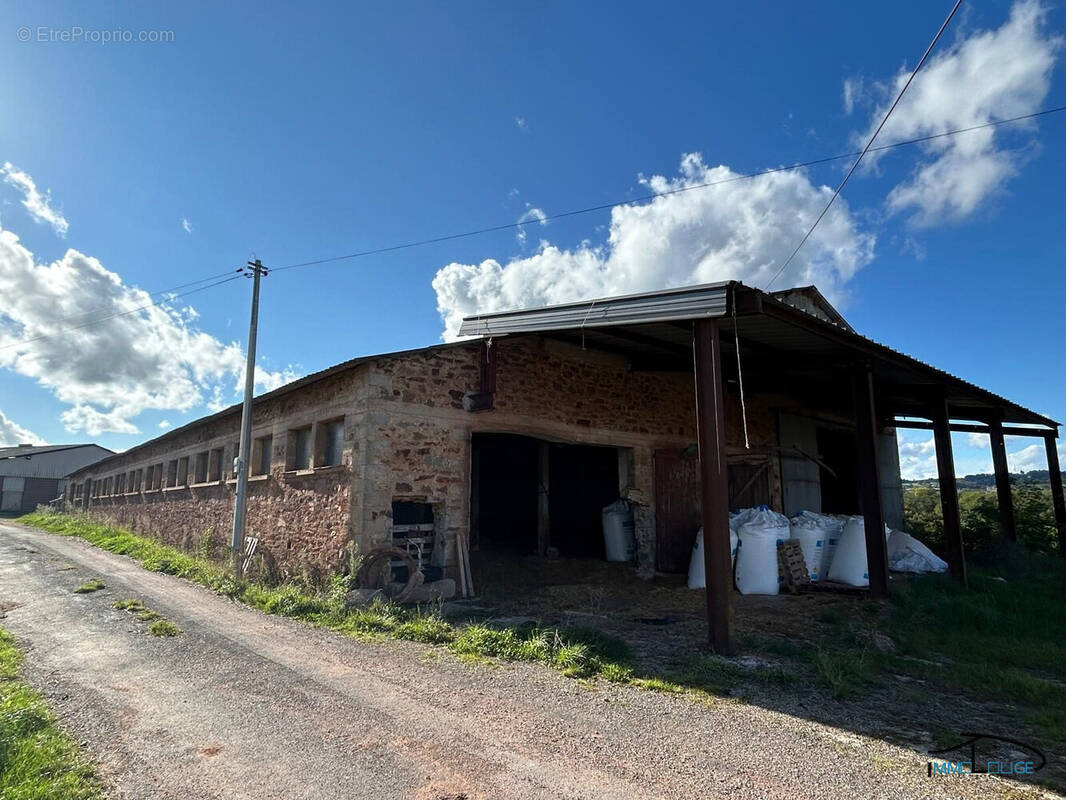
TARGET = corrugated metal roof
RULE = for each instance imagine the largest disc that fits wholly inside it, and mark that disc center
(641, 324)
(846, 339)
(21, 452)
(789, 330)
(692, 302)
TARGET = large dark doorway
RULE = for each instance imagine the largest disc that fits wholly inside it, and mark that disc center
(528, 494)
(838, 451)
(504, 492)
(582, 480)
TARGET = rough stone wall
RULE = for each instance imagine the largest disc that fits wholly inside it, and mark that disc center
(408, 438)
(419, 437)
(303, 519)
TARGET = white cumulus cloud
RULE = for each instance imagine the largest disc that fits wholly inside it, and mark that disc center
(917, 459)
(37, 203)
(531, 214)
(984, 76)
(108, 373)
(186, 225)
(740, 229)
(11, 433)
(1032, 456)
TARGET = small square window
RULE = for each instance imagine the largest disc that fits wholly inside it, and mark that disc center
(331, 443)
(261, 455)
(214, 465)
(300, 442)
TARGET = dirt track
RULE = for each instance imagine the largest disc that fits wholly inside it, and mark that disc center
(243, 705)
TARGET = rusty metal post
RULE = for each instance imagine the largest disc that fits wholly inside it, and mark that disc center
(949, 495)
(710, 423)
(869, 482)
(1057, 502)
(999, 461)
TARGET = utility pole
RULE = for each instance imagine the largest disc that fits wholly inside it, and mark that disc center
(240, 463)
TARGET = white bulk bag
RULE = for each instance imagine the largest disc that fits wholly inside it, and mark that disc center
(811, 531)
(697, 576)
(756, 570)
(738, 518)
(907, 554)
(849, 563)
(834, 528)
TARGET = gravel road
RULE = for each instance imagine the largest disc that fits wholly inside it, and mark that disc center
(243, 705)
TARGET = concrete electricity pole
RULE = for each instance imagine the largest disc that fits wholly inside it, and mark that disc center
(240, 463)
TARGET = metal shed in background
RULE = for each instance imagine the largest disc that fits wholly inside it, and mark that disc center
(35, 474)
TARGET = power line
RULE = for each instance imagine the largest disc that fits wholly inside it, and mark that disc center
(512, 225)
(679, 190)
(150, 294)
(119, 314)
(869, 144)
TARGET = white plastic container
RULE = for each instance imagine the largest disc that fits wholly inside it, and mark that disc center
(697, 574)
(619, 541)
(756, 569)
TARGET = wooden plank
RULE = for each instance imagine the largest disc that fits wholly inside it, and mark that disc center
(543, 484)
(1006, 500)
(1057, 502)
(949, 495)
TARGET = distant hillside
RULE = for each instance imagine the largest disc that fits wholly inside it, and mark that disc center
(986, 480)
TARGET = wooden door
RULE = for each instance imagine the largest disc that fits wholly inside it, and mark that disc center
(677, 509)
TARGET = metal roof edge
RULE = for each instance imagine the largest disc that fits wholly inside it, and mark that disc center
(299, 383)
(680, 303)
(833, 329)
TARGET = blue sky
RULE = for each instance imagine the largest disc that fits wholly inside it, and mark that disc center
(300, 132)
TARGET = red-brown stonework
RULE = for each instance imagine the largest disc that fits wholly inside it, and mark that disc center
(407, 437)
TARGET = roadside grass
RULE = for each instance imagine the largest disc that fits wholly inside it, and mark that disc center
(163, 627)
(1002, 639)
(575, 652)
(136, 607)
(37, 759)
(94, 585)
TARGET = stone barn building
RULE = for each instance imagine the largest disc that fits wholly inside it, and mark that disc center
(514, 439)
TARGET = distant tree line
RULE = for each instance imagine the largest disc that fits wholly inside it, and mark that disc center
(979, 512)
(986, 480)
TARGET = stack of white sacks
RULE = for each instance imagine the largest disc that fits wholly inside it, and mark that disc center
(834, 548)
